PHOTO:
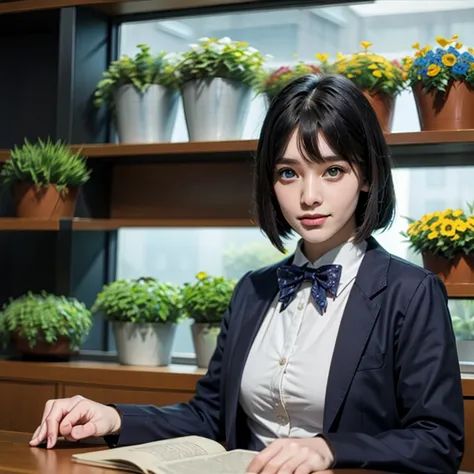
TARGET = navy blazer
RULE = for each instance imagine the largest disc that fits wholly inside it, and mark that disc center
(394, 399)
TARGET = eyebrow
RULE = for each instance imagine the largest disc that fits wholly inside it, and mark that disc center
(292, 161)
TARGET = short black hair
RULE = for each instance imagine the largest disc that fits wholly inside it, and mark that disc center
(335, 106)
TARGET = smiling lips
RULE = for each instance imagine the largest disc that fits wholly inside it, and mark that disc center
(312, 220)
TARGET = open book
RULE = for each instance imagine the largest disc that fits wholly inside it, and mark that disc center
(186, 455)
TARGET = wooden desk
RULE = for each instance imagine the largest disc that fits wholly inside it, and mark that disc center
(17, 457)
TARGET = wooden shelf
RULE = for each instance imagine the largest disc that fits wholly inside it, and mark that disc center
(461, 290)
(83, 224)
(446, 148)
(127, 7)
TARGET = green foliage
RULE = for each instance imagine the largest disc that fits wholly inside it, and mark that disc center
(445, 234)
(251, 256)
(45, 317)
(225, 58)
(436, 69)
(207, 299)
(45, 163)
(141, 71)
(142, 300)
(462, 314)
(276, 80)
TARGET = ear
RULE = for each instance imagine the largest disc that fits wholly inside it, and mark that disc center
(365, 188)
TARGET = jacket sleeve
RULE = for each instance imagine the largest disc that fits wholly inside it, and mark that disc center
(201, 416)
(430, 439)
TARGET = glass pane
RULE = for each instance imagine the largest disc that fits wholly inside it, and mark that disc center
(290, 35)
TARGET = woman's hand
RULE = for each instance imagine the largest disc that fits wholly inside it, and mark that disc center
(293, 456)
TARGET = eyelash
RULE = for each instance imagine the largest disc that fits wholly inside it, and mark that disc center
(332, 178)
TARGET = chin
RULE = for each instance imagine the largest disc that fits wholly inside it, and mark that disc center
(317, 235)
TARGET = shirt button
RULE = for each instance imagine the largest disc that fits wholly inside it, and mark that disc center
(282, 361)
(300, 307)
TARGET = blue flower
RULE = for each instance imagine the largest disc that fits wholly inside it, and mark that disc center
(467, 57)
(454, 51)
(460, 68)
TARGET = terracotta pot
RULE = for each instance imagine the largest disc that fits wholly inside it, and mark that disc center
(384, 106)
(449, 110)
(59, 350)
(458, 270)
(43, 203)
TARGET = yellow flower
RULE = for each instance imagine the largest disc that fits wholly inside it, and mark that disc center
(432, 235)
(449, 59)
(458, 45)
(425, 228)
(447, 228)
(377, 73)
(322, 57)
(461, 226)
(433, 70)
(201, 275)
(416, 45)
(404, 75)
(471, 50)
(366, 44)
(455, 237)
(350, 76)
(443, 41)
(455, 37)
(340, 56)
(372, 66)
(458, 212)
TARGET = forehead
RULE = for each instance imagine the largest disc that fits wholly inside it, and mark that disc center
(293, 148)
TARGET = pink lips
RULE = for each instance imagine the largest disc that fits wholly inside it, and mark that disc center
(313, 221)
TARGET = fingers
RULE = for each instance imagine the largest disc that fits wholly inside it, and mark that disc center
(262, 459)
(53, 413)
(77, 423)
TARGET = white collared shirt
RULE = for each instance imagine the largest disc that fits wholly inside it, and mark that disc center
(285, 377)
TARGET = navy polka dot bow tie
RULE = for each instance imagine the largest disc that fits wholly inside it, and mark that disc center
(324, 278)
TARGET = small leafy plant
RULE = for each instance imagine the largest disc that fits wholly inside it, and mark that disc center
(207, 299)
(435, 69)
(45, 163)
(368, 71)
(445, 234)
(142, 300)
(45, 317)
(141, 71)
(276, 80)
(211, 57)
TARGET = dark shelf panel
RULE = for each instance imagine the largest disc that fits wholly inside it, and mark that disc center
(415, 149)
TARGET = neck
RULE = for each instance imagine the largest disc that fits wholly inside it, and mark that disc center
(313, 251)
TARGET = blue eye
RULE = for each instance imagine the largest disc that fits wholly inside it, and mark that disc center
(287, 173)
(334, 172)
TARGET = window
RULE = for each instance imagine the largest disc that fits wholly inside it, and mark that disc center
(178, 254)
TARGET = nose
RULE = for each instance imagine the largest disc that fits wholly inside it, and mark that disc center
(311, 192)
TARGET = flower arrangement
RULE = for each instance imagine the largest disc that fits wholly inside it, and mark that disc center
(445, 234)
(369, 71)
(207, 299)
(434, 69)
(223, 57)
(277, 79)
(141, 71)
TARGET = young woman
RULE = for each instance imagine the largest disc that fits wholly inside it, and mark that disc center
(339, 356)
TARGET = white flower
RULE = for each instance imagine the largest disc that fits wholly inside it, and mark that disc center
(252, 50)
(217, 48)
(204, 39)
(225, 40)
(194, 46)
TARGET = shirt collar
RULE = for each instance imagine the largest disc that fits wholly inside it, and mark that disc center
(348, 254)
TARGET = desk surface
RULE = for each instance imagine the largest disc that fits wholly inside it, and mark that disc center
(17, 457)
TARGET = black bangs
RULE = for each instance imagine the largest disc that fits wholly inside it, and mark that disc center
(333, 108)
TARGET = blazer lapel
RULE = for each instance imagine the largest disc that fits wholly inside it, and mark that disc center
(357, 322)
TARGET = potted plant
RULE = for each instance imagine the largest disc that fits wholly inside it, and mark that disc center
(45, 178)
(144, 313)
(43, 326)
(205, 301)
(442, 81)
(277, 79)
(218, 76)
(142, 93)
(380, 79)
(446, 242)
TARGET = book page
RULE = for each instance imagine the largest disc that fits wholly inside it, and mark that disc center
(232, 462)
(149, 456)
